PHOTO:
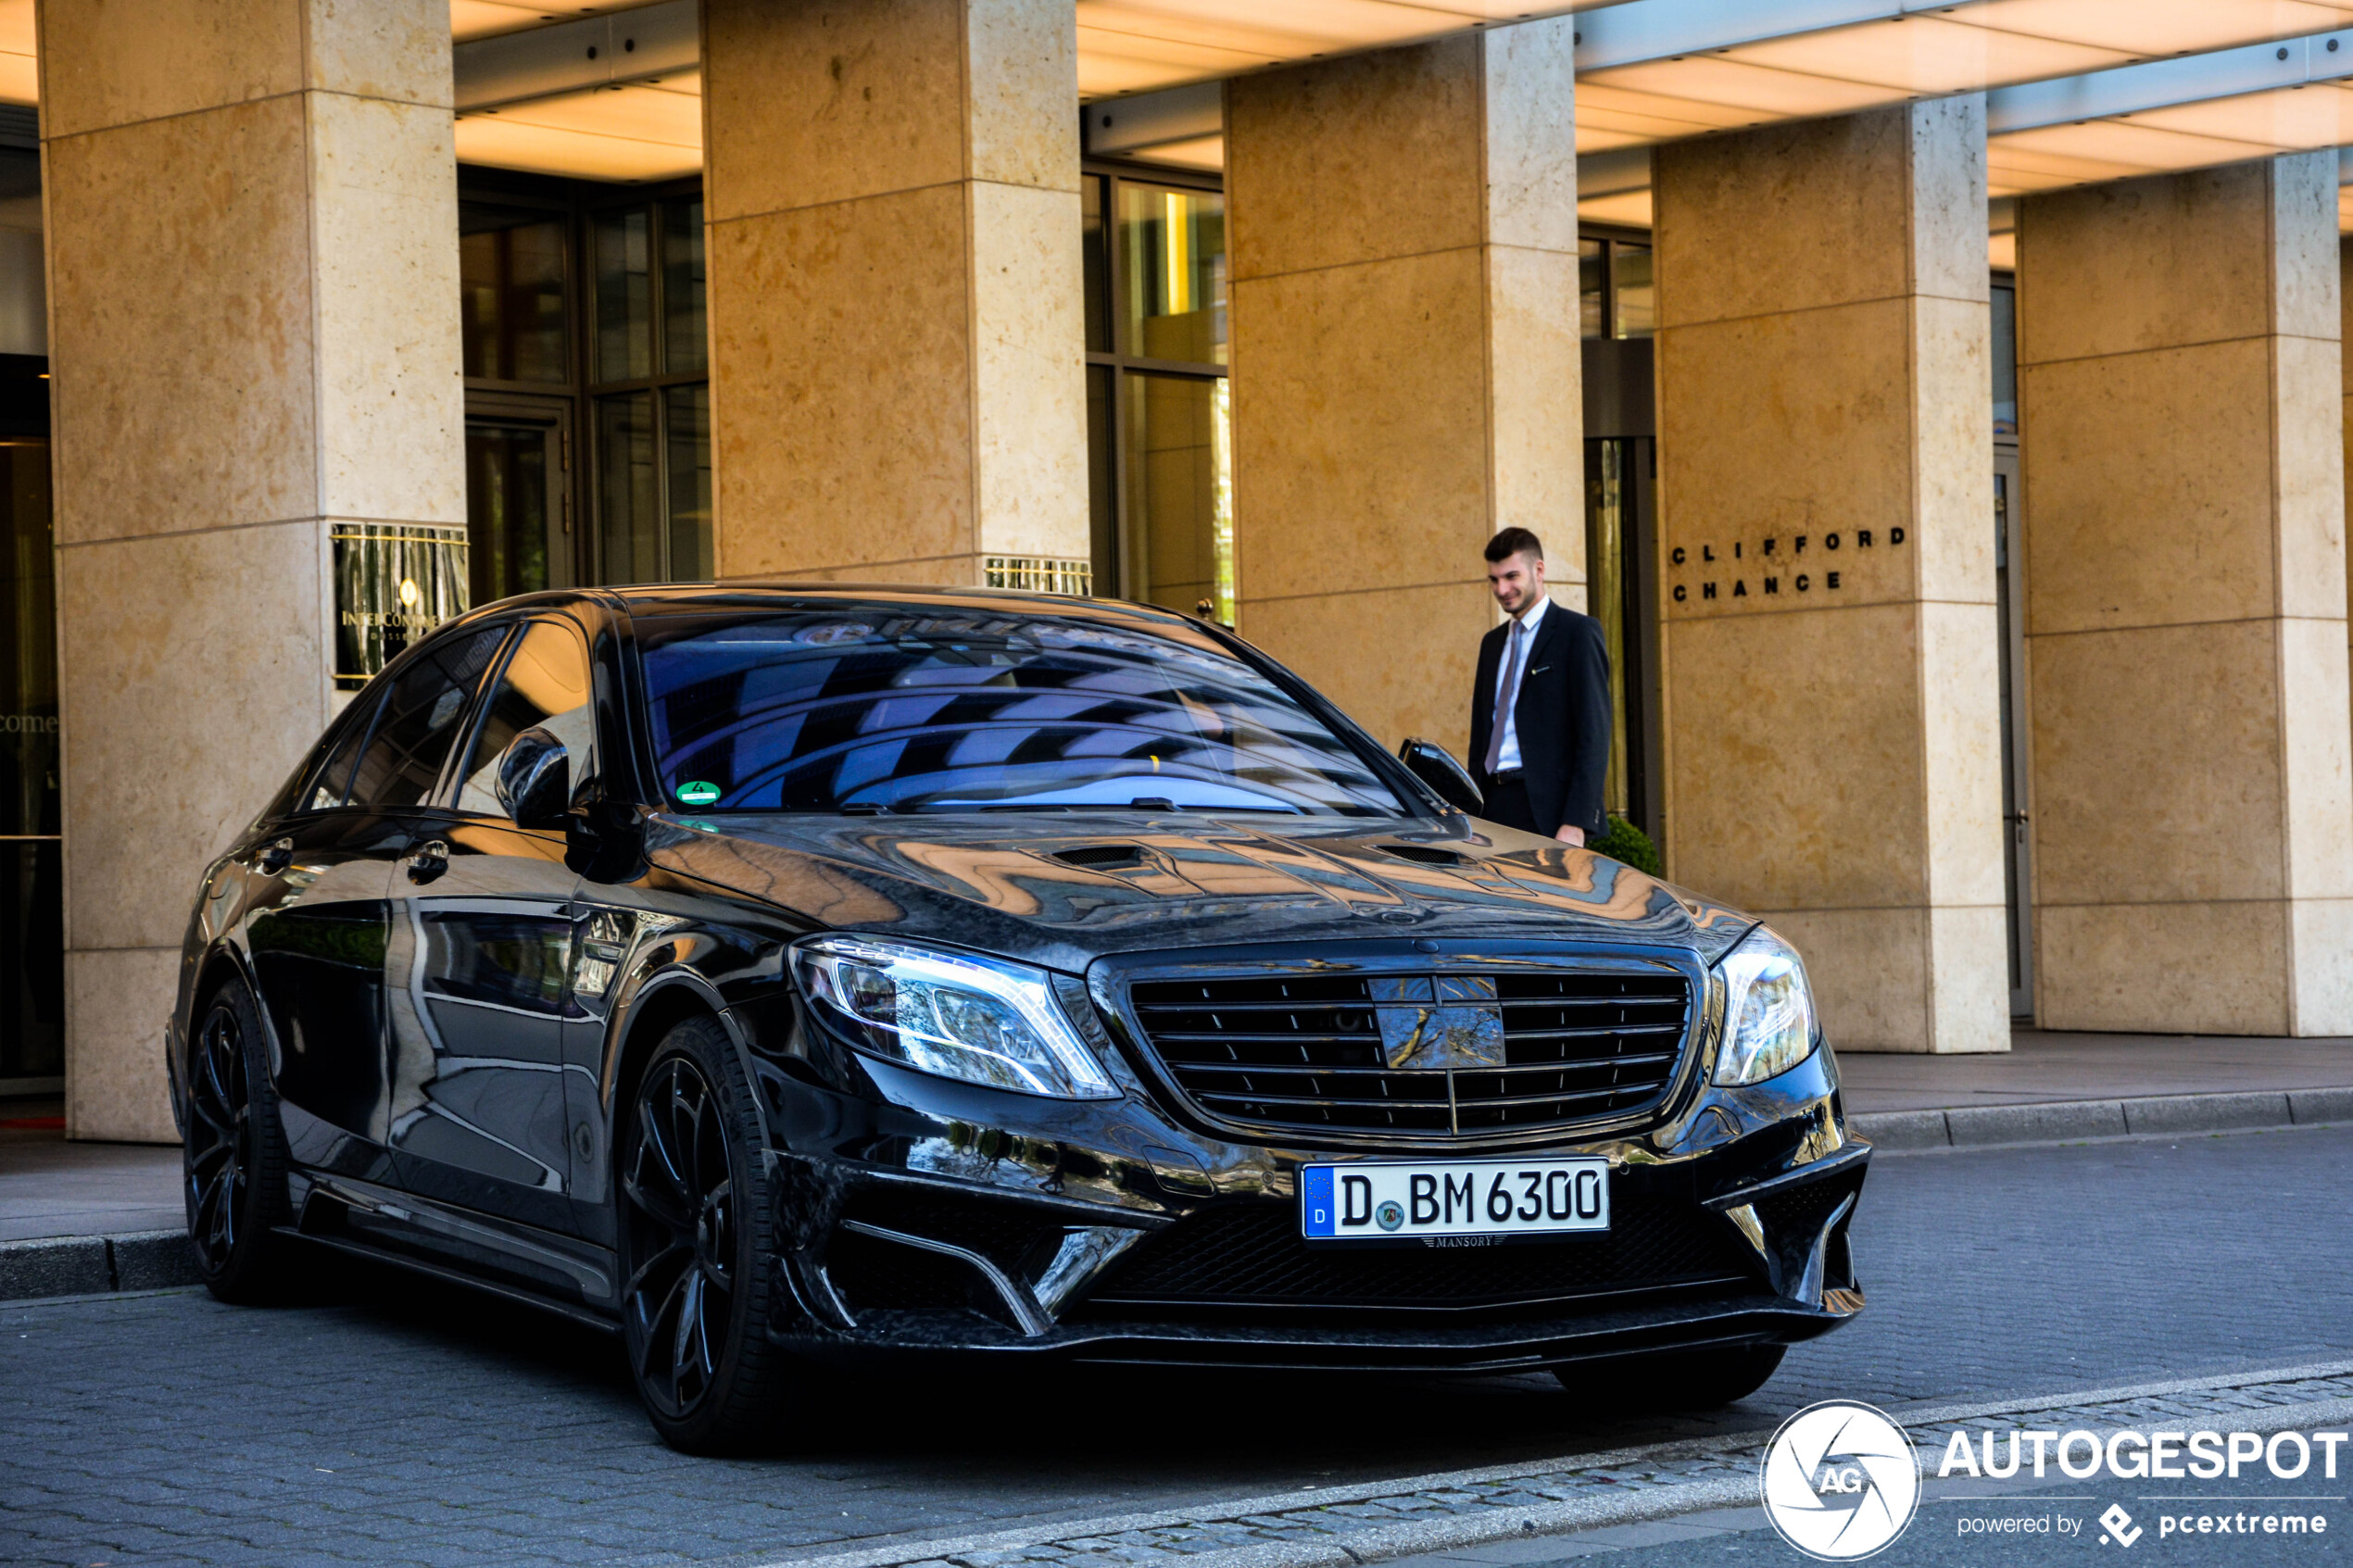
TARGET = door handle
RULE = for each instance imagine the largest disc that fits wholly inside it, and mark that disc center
(274, 857)
(428, 860)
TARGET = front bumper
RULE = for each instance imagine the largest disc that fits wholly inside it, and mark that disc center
(936, 1216)
(1753, 1317)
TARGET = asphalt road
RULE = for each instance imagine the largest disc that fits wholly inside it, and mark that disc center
(387, 1422)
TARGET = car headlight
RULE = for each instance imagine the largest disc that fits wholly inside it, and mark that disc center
(979, 1020)
(1769, 1010)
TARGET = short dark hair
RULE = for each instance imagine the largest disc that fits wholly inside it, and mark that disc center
(1515, 541)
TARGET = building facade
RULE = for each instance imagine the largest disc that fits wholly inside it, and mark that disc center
(1947, 422)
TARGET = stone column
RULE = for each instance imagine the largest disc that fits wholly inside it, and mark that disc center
(1406, 379)
(898, 326)
(2179, 375)
(1832, 746)
(253, 276)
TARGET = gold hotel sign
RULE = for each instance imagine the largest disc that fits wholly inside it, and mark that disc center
(395, 582)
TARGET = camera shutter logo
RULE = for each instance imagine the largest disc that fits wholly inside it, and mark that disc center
(1839, 1481)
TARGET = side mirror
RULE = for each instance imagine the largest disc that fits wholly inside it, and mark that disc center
(1431, 762)
(535, 780)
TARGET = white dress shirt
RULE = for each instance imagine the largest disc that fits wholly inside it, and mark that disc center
(1524, 629)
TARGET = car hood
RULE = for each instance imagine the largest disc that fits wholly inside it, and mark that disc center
(1062, 890)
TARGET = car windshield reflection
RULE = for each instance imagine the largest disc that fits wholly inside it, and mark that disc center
(862, 709)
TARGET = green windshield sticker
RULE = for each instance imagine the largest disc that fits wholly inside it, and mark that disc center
(695, 792)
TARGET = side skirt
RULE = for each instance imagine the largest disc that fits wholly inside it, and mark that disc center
(564, 1309)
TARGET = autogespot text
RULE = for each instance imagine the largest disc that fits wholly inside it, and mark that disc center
(2132, 1455)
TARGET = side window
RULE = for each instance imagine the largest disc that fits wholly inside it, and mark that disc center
(331, 782)
(422, 714)
(546, 685)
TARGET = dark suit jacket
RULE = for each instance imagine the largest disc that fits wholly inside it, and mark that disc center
(1563, 717)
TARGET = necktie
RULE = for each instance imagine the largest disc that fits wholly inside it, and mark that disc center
(1506, 694)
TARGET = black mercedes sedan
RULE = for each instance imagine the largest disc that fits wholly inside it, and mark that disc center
(765, 972)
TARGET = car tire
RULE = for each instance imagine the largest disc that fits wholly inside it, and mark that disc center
(696, 1222)
(1684, 1380)
(234, 1157)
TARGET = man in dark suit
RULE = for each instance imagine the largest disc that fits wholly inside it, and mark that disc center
(1541, 705)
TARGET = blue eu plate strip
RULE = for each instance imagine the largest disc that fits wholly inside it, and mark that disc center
(1315, 1200)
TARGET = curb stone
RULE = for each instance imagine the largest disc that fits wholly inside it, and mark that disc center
(95, 1265)
(1994, 1126)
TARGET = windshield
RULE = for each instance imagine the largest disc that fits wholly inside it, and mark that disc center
(889, 708)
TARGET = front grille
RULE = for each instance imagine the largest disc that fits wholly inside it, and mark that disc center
(1250, 1253)
(1442, 1055)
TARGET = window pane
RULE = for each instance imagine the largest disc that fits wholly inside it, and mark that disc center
(1179, 545)
(420, 714)
(625, 296)
(506, 502)
(545, 684)
(1102, 485)
(331, 787)
(689, 441)
(880, 707)
(1589, 262)
(2004, 360)
(1629, 277)
(627, 508)
(1609, 532)
(510, 266)
(685, 346)
(29, 720)
(1098, 264)
(1174, 245)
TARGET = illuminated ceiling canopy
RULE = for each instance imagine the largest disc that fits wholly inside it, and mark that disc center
(2081, 90)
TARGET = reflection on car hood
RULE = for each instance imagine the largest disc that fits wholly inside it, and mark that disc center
(1062, 890)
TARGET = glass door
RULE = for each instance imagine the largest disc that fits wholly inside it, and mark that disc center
(31, 871)
(1159, 418)
(519, 507)
(1620, 482)
(2017, 865)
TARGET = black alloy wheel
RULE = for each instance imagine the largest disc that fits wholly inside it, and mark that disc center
(234, 1159)
(696, 1216)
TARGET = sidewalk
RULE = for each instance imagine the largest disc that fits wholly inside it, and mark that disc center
(119, 1203)
(2054, 1087)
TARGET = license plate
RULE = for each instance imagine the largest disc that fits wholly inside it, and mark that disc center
(1432, 1199)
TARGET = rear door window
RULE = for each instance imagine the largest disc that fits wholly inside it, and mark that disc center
(424, 708)
(330, 783)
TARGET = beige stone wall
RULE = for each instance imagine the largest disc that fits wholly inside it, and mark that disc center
(2181, 393)
(898, 328)
(1403, 233)
(252, 267)
(1832, 684)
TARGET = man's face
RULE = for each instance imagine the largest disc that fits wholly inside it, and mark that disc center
(1516, 581)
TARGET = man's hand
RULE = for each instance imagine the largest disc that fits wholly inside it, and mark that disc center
(1571, 834)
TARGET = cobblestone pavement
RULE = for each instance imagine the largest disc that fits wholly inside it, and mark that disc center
(392, 1422)
(1529, 1498)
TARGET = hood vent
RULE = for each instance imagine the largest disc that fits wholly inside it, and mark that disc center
(1425, 854)
(1100, 857)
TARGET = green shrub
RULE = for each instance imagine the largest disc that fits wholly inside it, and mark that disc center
(1624, 841)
